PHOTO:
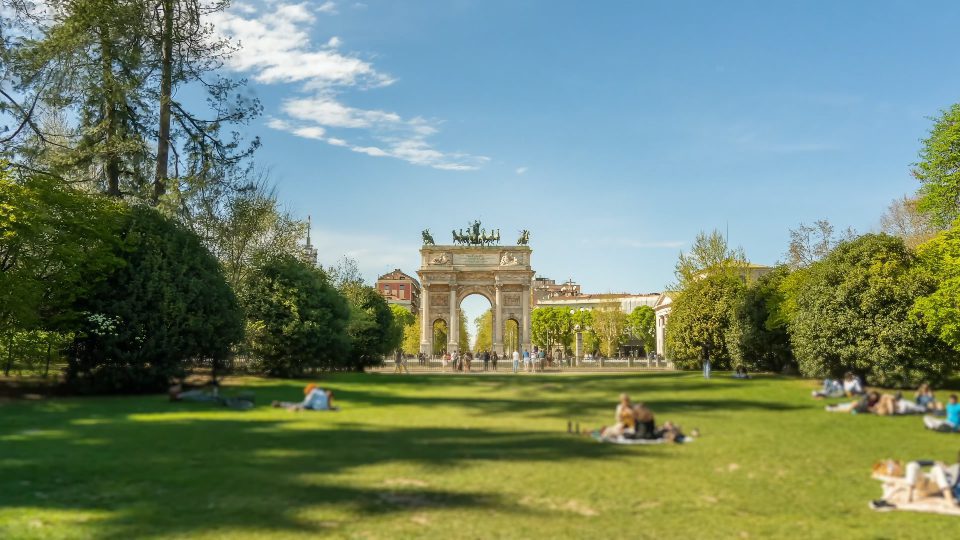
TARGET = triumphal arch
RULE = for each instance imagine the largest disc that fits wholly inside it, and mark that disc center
(474, 263)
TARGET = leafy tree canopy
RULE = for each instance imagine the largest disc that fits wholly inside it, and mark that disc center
(701, 319)
(939, 169)
(853, 314)
(296, 320)
(939, 311)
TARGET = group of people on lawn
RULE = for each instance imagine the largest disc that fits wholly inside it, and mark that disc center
(636, 421)
(905, 485)
(882, 404)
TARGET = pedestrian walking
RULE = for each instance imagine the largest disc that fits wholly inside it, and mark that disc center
(516, 361)
(493, 359)
(399, 364)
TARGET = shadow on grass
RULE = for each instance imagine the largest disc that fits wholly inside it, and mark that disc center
(159, 475)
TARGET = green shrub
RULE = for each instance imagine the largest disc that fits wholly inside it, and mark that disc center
(166, 306)
(296, 321)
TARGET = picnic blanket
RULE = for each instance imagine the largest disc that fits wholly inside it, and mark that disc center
(624, 440)
(896, 491)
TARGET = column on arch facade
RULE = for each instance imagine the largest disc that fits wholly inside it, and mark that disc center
(498, 322)
(525, 327)
(453, 327)
(426, 325)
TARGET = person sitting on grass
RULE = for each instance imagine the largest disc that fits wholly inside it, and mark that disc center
(952, 422)
(626, 420)
(646, 427)
(852, 385)
(925, 398)
(831, 388)
(317, 399)
(741, 373)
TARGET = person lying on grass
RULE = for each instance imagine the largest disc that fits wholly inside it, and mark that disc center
(879, 404)
(946, 477)
(211, 394)
(317, 399)
(952, 422)
(938, 487)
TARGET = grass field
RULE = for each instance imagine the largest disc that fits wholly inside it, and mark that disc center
(482, 456)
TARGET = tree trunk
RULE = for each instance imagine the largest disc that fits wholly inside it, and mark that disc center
(6, 371)
(166, 89)
(112, 165)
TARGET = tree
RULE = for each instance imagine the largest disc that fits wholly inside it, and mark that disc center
(411, 337)
(904, 220)
(168, 305)
(709, 253)
(643, 325)
(810, 243)
(88, 57)
(464, 341)
(346, 273)
(938, 311)
(440, 337)
(238, 226)
(56, 244)
(939, 170)
(372, 330)
(296, 321)
(511, 336)
(484, 326)
(116, 66)
(756, 338)
(853, 314)
(609, 324)
(402, 319)
(701, 320)
(550, 327)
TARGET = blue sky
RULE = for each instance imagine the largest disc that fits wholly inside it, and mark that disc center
(614, 131)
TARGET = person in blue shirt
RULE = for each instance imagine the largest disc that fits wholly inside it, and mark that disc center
(952, 423)
(315, 399)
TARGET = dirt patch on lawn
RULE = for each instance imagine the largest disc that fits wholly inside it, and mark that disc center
(572, 506)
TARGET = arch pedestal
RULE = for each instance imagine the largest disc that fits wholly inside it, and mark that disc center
(448, 274)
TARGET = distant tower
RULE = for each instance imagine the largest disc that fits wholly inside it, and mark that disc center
(309, 252)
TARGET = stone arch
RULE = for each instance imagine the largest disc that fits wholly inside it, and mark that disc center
(501, 274)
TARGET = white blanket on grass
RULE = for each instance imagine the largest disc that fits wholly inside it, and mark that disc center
(895, 492)
(624, 440)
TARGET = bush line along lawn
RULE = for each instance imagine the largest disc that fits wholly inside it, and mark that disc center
(457, 457)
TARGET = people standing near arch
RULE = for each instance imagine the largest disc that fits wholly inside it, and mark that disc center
(493, 359)
(526, 361)
(516, 361)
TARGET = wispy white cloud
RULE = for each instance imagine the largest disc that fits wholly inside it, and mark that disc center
(277, 48)
(521, 170)
(754, 139)
(328, 7)
(309, 132)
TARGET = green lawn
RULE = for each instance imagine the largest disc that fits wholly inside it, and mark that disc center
(479, 456)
